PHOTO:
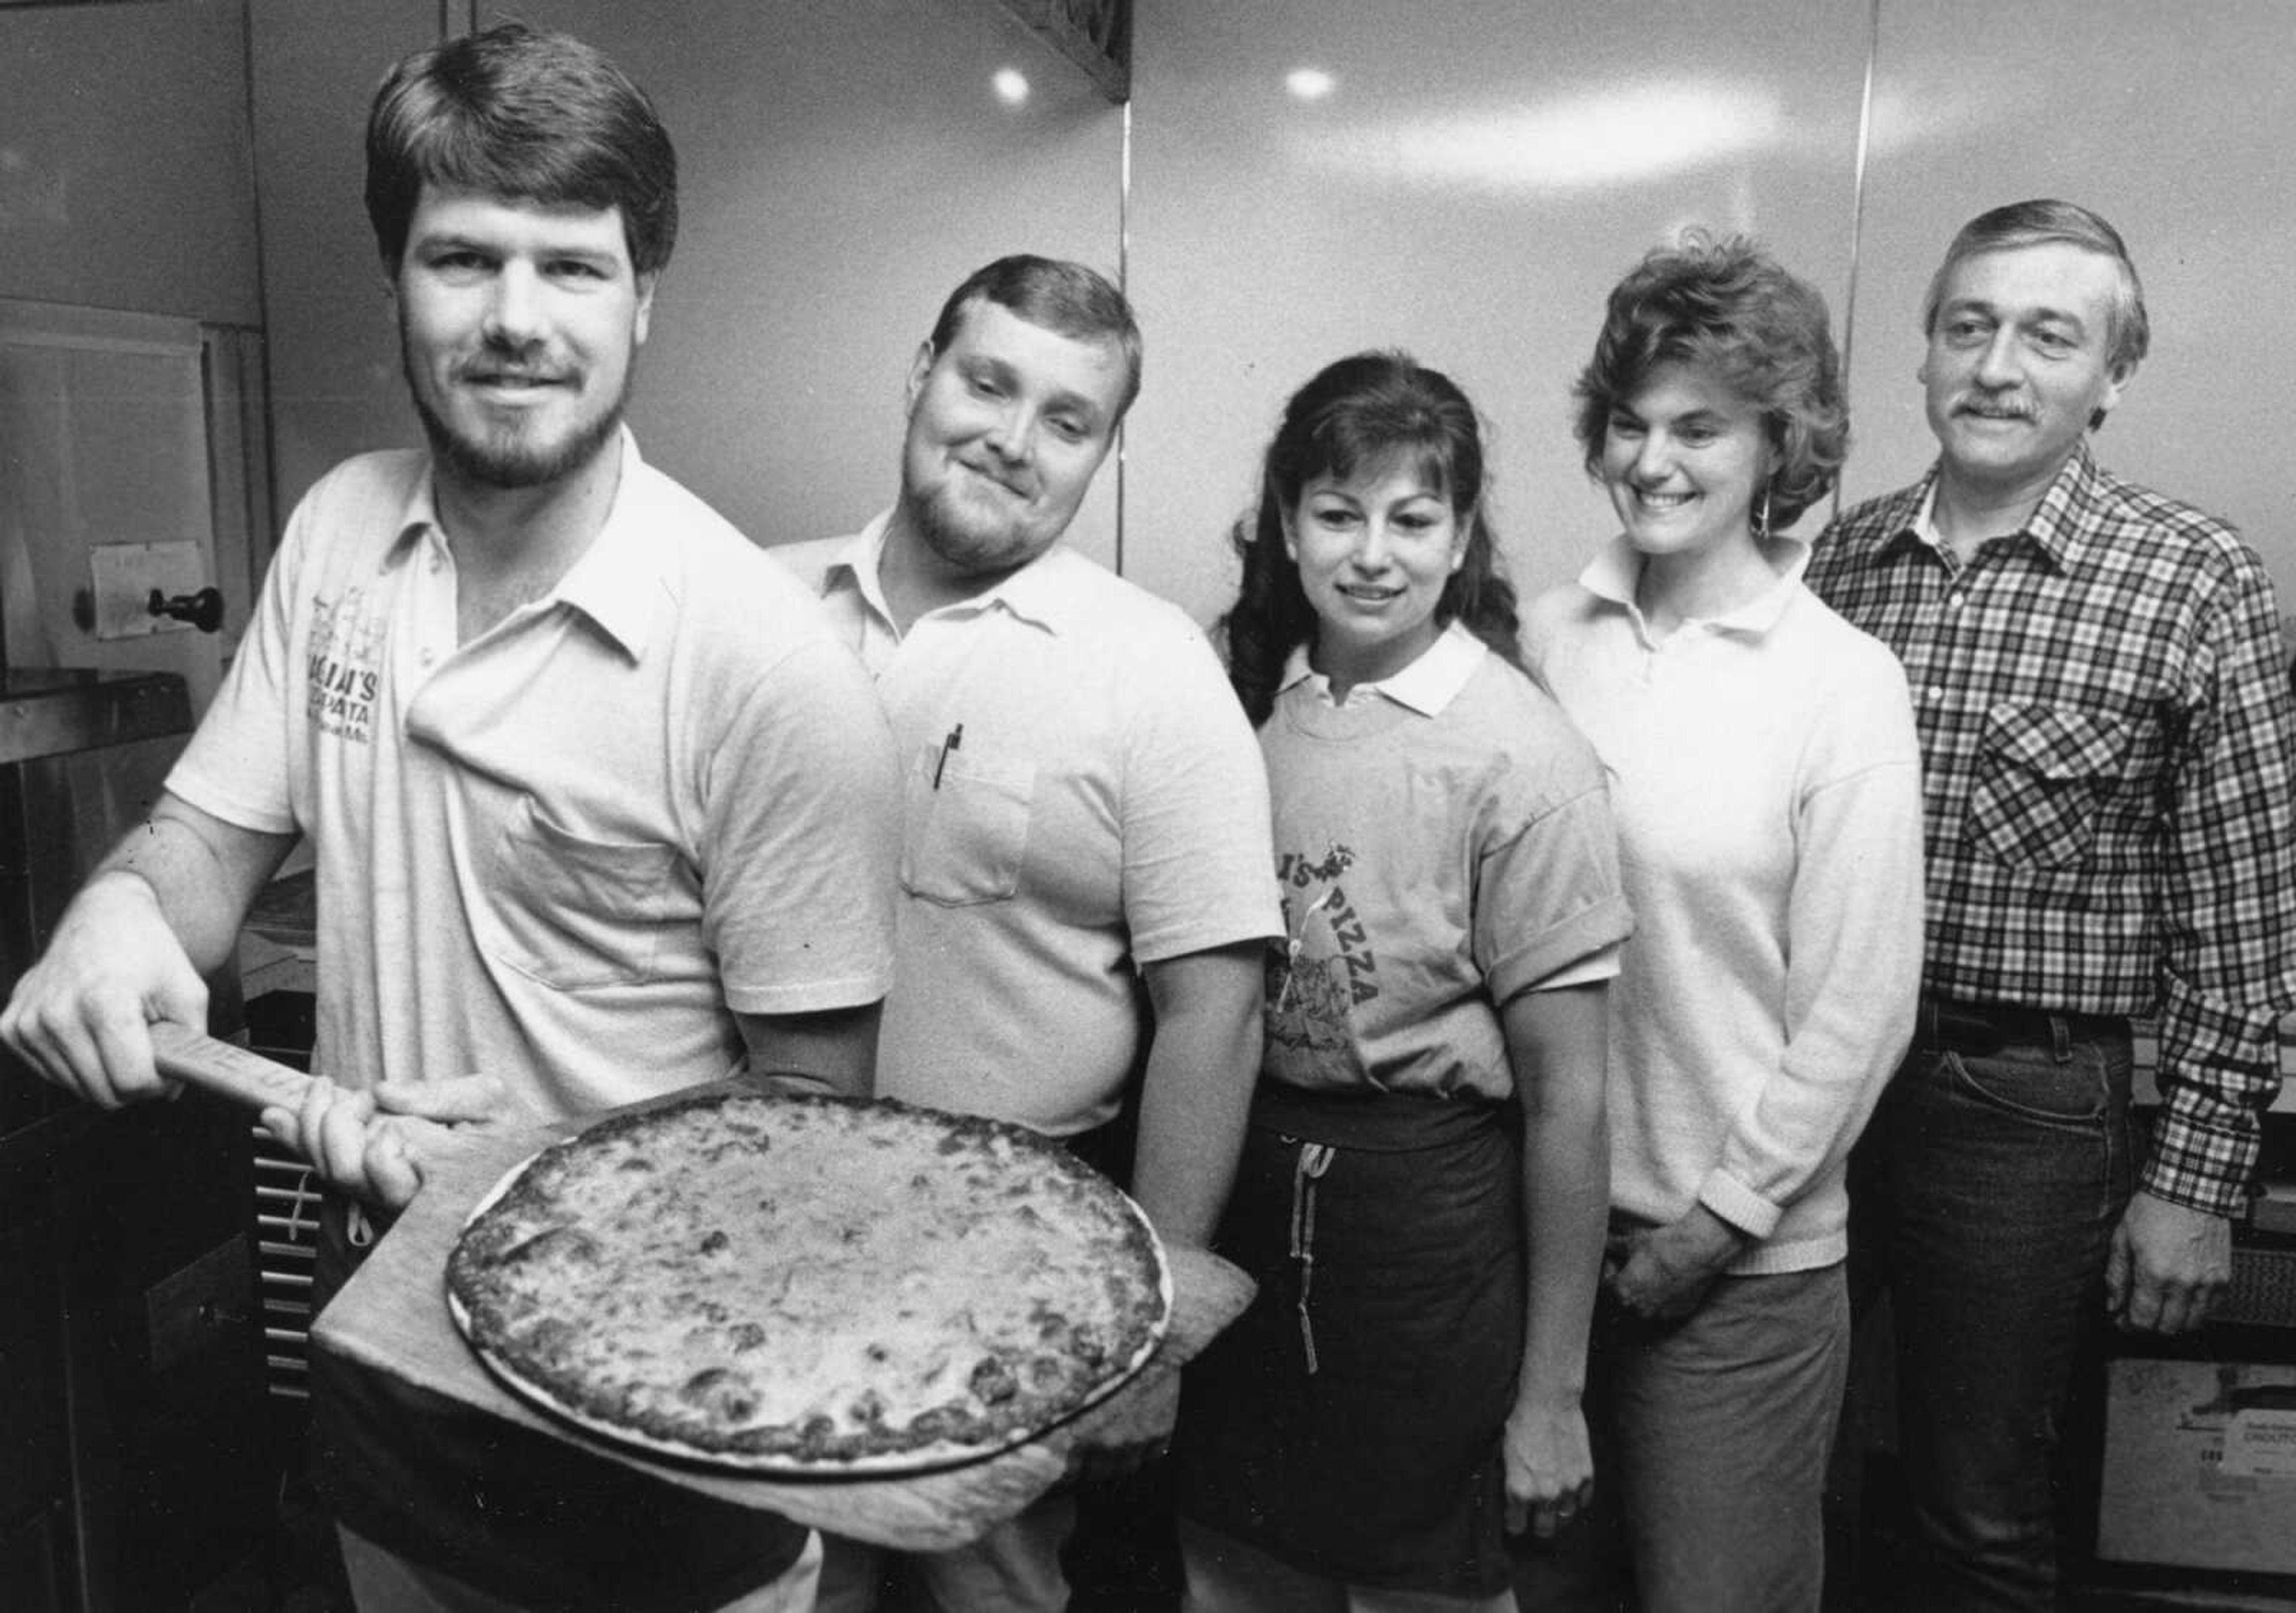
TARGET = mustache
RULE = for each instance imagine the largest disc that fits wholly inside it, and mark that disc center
(520, 363)
(1981, 403)
(491, 370)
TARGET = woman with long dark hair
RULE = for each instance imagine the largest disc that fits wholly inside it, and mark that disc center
(1422, 1189)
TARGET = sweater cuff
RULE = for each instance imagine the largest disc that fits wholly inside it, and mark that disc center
(1739, 1204)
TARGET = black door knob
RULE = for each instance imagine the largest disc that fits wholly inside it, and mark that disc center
(203, 609)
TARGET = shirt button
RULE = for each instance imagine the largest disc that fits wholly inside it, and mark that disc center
(429, 656)
(437, 565)
(1933, 693)
(1956, 601)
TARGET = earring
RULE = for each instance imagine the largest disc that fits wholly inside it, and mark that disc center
(1762, 518)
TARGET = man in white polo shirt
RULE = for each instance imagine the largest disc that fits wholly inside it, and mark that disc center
(600, 808)
(1087, 883)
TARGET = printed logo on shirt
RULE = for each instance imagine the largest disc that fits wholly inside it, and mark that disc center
(344, 672)
(1327, 966)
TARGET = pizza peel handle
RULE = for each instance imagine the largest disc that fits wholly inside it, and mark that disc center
(259, 1082)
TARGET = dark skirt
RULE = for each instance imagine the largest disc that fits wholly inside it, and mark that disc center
(1359, 1436)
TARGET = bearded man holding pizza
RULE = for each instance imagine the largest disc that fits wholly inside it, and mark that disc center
(598, 806)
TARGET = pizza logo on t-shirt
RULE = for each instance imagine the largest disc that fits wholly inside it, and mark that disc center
(343, 671)
(1326, 965)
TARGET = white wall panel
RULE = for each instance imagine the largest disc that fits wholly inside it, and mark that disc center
(2173, 121)
(125, 175)
(1480, 173)
(843, 164)
(335, 384)
(1479, 176)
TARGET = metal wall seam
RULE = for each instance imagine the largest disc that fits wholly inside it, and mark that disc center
(1858, 207)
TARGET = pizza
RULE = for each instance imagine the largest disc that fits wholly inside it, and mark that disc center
(809, 1285)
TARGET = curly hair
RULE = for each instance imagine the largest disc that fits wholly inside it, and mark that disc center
(1363, 411)
(1728, 307)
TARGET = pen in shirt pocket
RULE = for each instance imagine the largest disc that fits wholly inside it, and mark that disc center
(956, 738)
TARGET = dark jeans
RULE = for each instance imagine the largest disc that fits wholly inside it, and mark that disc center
(1994, 1183)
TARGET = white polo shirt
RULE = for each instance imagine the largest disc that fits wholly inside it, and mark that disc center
(560, 853)
(1103, 807)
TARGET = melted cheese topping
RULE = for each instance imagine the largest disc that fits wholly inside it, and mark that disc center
(821, 1279)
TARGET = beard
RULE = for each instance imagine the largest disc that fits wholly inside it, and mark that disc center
(960, 544)
(506, 458)
(971, 541)
(511, 456)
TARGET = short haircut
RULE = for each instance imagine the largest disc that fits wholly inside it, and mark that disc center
(2041, 222)
(519, 113)
(1078, 302)
(1728, 307)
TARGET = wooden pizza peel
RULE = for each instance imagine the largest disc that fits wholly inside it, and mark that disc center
(391, 1318)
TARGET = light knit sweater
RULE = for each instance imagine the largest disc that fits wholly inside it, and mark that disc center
(1765, 776)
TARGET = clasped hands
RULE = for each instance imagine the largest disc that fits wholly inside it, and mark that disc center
(1660, 1273)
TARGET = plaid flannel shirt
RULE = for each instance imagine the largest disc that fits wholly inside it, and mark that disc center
(2110, 759)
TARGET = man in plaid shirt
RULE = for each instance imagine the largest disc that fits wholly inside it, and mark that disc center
(2110, 753)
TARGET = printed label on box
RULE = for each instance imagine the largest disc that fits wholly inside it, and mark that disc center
(2260, 1444)
(2200, 1465)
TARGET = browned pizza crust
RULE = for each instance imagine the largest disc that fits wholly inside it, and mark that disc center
(806, 1284)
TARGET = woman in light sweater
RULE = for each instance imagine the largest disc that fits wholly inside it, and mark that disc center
(1421, 1193)
(1765, 776)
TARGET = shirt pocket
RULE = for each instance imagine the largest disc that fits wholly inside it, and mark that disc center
(570, 911)
(968, 833)
(2043, 774)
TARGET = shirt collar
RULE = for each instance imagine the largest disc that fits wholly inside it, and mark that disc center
(1429, 684)
(1613, 574)
(1044, 592)
(1894, 525)
(1923, 526)
(2055, 525)
(418, 525)
(853, 566)
(616, 582)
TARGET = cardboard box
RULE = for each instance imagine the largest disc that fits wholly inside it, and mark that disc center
(2200, 1465)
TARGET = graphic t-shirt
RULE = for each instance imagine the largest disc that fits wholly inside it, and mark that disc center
(1442, 843)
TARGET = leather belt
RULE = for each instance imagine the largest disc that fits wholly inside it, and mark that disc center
(1944, 1025)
